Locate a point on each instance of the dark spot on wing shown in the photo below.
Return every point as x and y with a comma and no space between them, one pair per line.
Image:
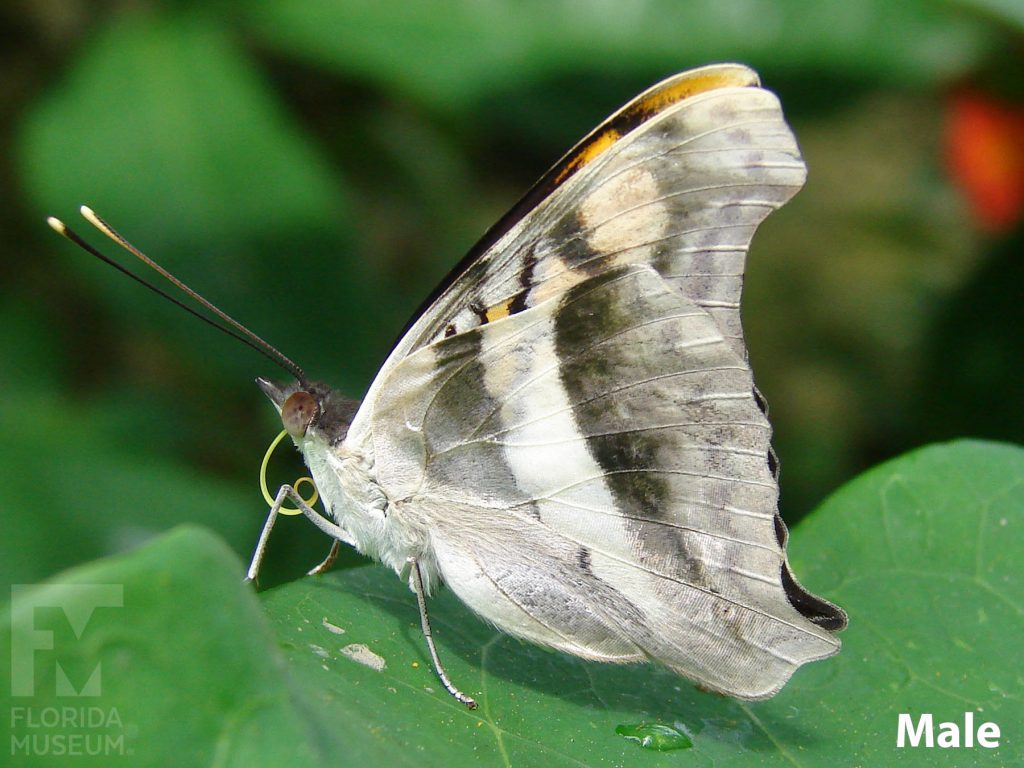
518,303
479,310
762,404
817,610
773,459
583,559
781,534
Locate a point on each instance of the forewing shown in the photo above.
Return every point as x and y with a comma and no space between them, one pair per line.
594,475
677,179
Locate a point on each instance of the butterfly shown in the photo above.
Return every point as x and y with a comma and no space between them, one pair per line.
568,434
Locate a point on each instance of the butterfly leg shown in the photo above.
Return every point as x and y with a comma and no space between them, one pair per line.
325,525
261,545
421,599
327,562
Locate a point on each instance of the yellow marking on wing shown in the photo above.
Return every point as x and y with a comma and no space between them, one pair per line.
498,311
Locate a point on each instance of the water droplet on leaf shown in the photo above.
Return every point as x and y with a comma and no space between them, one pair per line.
656,736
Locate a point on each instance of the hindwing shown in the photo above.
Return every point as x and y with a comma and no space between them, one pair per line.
593,473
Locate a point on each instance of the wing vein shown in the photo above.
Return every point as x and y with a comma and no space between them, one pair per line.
631,385
662,471
668,524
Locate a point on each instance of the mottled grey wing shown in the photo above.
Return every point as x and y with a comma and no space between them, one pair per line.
593,472
678,179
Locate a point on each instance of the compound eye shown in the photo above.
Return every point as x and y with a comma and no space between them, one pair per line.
298,412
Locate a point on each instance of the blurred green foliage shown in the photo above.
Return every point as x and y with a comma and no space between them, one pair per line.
315,167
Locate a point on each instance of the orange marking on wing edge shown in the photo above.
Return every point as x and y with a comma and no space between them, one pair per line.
647,105
593,148
655,102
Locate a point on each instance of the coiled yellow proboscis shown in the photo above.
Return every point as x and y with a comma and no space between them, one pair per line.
296,485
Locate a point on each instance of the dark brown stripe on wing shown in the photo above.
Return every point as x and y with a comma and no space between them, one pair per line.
589,312
518,303
479,468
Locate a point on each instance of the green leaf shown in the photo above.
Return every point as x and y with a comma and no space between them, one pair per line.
928,566
923,552
483,47
181,656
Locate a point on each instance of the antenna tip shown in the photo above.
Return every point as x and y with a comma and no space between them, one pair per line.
88,213
57,225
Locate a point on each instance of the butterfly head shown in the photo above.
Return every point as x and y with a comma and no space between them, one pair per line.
311,410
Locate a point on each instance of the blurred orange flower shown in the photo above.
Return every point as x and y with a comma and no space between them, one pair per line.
985,156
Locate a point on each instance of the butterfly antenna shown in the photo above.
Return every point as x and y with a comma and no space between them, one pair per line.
233,328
